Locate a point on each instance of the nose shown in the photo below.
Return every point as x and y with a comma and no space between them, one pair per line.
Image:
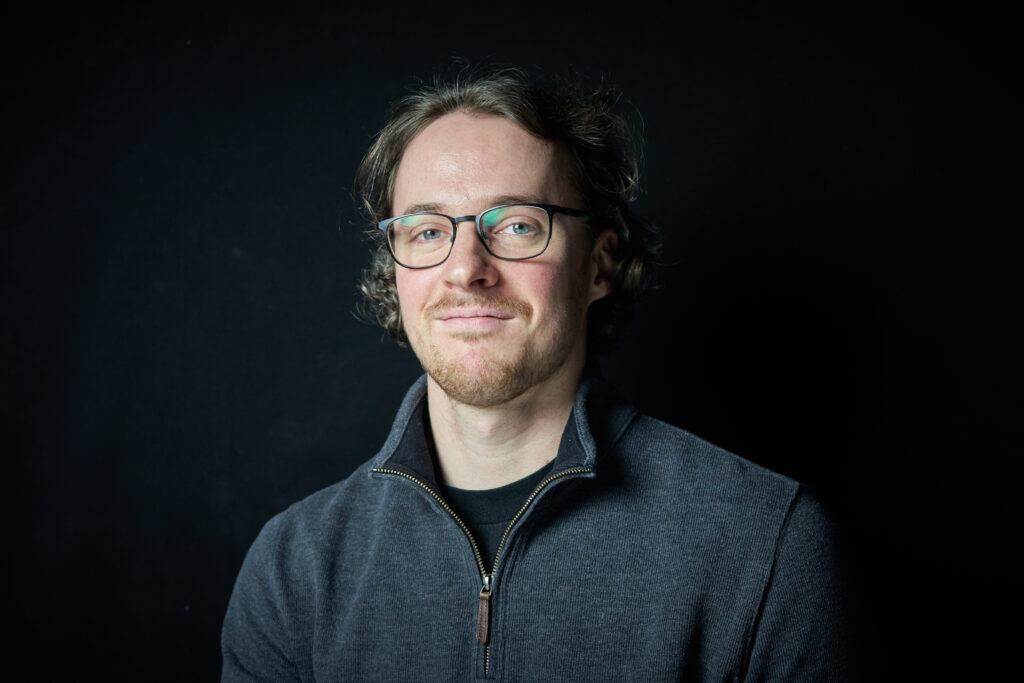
469,265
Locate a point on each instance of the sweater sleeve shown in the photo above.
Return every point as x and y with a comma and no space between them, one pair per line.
268,613
801,631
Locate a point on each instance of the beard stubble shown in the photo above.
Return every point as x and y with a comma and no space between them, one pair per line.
496,378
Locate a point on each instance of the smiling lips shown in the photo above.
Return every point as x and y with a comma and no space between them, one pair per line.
473,319
458,314
454,313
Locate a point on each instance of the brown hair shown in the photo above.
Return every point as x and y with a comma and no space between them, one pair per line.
603,150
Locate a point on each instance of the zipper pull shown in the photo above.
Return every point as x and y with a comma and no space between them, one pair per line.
483,614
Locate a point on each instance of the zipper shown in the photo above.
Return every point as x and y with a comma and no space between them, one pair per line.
533,496
484,574
483,617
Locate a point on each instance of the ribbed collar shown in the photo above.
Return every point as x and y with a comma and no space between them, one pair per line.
598,418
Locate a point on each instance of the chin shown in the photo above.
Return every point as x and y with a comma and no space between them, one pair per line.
482,379
483,382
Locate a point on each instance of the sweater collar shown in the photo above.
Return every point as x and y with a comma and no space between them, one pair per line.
598,418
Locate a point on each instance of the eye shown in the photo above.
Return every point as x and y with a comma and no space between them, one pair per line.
514,229
428,234
517,226
420,231
518,229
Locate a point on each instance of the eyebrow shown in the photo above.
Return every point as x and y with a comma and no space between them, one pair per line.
494,201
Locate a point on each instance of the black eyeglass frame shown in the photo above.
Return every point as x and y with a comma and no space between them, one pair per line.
550,209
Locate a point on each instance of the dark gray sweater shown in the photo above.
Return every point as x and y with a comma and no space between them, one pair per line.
647,554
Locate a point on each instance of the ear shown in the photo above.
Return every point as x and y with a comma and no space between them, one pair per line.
602,264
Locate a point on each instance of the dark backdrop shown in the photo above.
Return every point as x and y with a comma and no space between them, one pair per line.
839,298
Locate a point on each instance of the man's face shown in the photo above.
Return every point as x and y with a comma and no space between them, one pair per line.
487,330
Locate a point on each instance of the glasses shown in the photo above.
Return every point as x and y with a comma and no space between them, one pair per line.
512,232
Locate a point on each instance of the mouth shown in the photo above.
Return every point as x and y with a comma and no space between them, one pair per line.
474,320
476,315
472,313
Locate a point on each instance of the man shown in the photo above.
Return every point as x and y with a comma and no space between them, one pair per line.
521,522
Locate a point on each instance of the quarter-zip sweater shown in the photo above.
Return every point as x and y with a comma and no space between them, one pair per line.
646,554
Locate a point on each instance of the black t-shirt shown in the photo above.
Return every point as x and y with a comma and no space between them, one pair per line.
487,512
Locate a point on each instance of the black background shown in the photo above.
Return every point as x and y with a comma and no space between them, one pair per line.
839,297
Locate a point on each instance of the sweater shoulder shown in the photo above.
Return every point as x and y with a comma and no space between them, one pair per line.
326,511
673,460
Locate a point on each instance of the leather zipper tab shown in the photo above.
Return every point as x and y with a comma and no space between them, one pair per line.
483,614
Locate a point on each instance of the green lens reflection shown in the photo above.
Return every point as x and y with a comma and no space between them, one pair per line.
493,217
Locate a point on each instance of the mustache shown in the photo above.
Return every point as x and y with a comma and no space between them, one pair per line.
505,304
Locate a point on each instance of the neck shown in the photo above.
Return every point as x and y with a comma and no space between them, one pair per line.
483,448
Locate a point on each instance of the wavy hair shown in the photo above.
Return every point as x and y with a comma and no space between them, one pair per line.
604,151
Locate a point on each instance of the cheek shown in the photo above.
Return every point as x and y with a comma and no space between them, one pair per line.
409,295
550,290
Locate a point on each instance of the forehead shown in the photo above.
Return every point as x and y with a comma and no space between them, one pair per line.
464,162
